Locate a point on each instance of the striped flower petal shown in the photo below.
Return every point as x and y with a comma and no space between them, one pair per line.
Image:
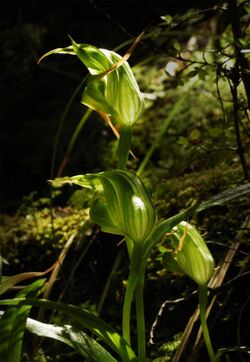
116,93
122,205
191,255
128,204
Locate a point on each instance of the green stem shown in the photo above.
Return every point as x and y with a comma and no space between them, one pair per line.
140,318
124,146
202,292
135,266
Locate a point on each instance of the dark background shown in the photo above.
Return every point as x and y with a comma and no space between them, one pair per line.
33,97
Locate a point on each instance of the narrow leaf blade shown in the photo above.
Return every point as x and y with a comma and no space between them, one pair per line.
67,50
7,282
12,326
224,197
218,200
73,337
90,321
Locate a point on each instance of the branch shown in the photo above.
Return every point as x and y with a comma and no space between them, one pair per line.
234,14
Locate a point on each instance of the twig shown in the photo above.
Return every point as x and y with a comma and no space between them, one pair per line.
229,246
53,277
216,290
229,283
219,95
233,10
161,310
48,288
233,87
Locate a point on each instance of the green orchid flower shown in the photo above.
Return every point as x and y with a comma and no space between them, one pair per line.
110,90
191,255
122,205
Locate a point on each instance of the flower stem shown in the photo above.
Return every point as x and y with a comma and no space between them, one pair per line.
124,146
202,293
140,318
135,266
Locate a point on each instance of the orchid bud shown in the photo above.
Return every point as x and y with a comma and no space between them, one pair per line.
191,255
115,93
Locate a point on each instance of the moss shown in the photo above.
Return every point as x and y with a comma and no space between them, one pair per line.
167,349
173,195
34,237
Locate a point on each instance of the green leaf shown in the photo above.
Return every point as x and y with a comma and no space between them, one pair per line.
12,326
224,197
230,133
177,46
162,249
195,134
202,74
166,226
241,43
180,81
192,73
88,320
218,200
215,131
87,346
182,140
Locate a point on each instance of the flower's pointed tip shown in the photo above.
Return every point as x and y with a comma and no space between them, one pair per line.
72,40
